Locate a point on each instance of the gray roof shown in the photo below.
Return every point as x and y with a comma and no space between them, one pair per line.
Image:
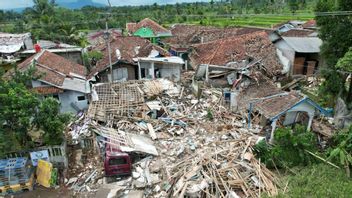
304,44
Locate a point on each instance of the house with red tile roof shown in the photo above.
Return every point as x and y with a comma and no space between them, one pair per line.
125,52
59,78
148,29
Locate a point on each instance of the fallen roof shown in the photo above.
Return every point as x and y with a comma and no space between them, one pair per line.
273,107
304,44
154,26
220,52
55,70
10,43
186,35
13,39
130,48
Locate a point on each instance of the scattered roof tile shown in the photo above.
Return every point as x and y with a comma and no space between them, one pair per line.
186,35
220,52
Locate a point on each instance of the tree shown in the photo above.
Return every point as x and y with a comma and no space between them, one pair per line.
335,31
51,121
17,105
345,64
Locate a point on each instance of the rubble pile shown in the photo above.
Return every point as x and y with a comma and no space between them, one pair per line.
203,149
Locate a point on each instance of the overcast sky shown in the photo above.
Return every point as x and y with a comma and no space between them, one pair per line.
9,4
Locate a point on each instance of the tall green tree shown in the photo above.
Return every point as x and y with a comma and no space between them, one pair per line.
335,31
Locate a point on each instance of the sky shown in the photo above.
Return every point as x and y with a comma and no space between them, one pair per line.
10,4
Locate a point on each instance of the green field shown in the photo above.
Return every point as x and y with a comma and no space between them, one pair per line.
266,21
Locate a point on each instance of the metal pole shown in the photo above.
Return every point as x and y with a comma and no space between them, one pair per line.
109,50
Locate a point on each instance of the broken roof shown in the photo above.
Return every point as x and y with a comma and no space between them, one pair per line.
154,26
275,106
55,70
186,35
304,44
129,47
96,37
10,43
220,52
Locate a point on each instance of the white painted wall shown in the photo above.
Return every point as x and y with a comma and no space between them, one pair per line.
69,98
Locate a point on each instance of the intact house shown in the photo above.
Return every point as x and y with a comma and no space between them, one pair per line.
69,52
303,54
184,36
160,67
58,78
125,52
10,46
148,29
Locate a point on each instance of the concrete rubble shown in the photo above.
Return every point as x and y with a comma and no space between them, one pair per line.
203,149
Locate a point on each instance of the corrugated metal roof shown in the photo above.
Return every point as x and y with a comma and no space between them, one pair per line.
304,44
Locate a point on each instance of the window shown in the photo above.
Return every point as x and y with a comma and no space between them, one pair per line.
80,98
117,161
56,96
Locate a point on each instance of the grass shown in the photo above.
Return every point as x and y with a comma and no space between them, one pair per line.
319,180
266,21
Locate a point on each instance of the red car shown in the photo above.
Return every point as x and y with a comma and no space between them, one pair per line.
116,163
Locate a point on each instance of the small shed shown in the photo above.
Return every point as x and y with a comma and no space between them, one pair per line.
161,67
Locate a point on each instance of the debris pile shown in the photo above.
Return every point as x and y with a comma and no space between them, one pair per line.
201,148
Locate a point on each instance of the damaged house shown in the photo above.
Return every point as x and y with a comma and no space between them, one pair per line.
125,52
184,36
10,46
148,29
246,65
234,51
303,54
162,67
58,78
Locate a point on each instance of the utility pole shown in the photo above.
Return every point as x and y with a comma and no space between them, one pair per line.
107,40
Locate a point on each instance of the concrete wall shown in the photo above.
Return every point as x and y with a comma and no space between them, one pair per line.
104,76
72,56
166,70
302,107
69,101
170,71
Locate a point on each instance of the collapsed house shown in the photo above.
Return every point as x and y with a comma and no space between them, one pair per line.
184,36
10,46
148,29
59,78
125,52
233,50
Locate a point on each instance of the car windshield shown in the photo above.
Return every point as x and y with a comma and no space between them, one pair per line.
117,161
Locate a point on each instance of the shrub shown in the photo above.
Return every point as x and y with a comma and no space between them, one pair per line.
289,148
